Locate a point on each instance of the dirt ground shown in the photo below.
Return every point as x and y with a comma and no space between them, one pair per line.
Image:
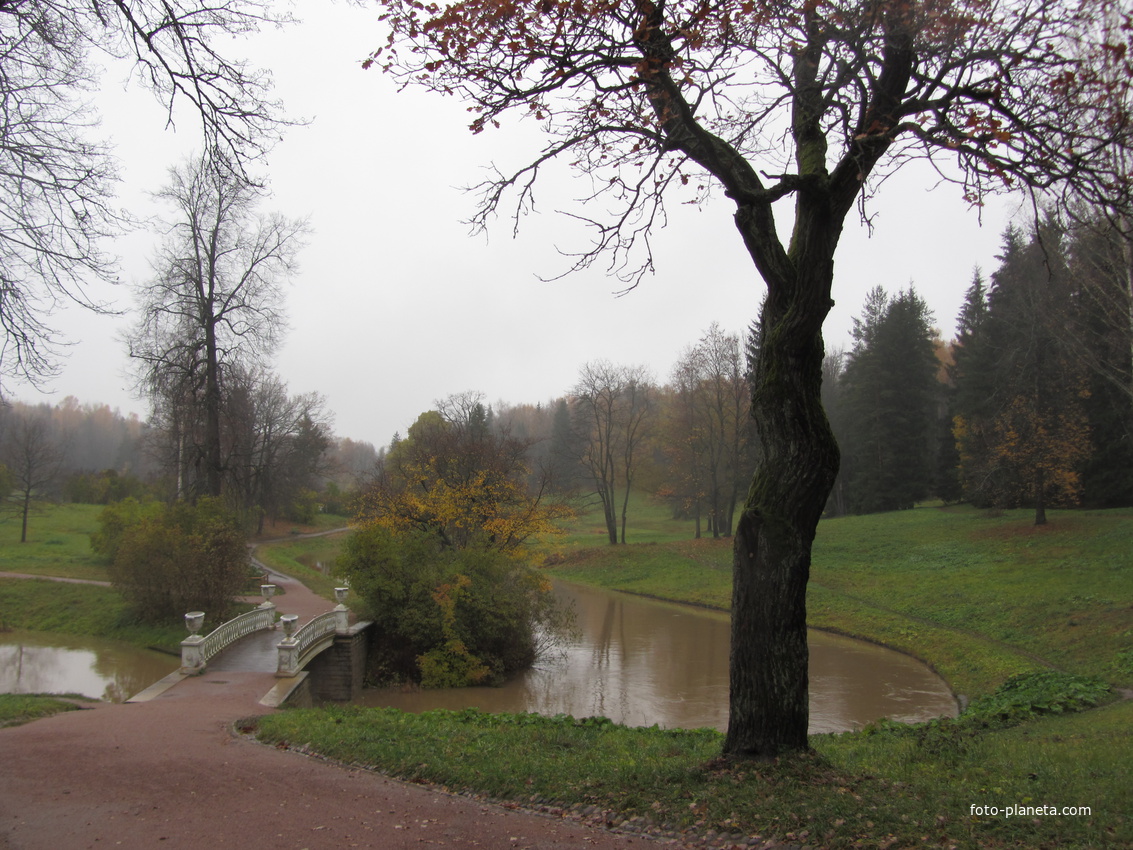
170,773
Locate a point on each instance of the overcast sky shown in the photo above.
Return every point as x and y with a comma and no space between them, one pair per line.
396,305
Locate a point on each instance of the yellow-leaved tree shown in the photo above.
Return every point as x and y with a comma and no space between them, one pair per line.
442,558
464,479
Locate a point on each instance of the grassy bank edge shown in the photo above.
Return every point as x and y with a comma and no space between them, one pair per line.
42,605
16,709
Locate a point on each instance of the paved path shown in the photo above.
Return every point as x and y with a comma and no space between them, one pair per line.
170,773
56,578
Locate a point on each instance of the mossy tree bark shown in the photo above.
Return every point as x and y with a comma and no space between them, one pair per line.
799,461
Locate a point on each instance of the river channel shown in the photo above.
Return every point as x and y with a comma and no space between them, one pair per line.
46,663
641,662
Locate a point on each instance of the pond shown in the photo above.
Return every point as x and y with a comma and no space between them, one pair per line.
641,662
43,662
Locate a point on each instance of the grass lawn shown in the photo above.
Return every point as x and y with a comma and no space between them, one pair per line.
648,521
885,789
300,556
58,543
983,598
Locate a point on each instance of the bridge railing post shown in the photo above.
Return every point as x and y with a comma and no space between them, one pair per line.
268,591
192,657
288,647
341,612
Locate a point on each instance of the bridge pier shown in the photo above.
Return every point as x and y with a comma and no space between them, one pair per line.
334,675
337,672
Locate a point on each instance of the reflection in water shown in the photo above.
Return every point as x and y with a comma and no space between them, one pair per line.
41,662
642,663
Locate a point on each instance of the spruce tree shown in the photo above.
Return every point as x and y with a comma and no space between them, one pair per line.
892,398
1023,432
1099,274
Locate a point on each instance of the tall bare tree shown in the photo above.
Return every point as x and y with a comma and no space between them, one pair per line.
33,453
57,178
613,412
215,301
714,391
770,101
277,444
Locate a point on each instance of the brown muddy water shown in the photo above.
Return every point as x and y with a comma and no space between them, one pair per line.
46,663
644,663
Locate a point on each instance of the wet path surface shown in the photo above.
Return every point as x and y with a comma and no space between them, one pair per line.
255,653
170,773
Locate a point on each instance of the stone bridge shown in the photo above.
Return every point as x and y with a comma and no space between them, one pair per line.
323,659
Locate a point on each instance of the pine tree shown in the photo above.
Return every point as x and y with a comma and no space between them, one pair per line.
892,398
1022,430
1099,274
972,375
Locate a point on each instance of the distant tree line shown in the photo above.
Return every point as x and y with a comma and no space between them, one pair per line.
93,454
1030,406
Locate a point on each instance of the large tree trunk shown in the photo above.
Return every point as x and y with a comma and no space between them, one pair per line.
769,709
772,550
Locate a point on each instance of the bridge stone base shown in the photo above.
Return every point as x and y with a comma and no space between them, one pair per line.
336,673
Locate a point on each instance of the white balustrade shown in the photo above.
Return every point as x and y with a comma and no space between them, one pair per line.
293,647
197,650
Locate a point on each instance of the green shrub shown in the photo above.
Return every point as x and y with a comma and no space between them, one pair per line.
104,488
1030,695
178,558
447,617
113,521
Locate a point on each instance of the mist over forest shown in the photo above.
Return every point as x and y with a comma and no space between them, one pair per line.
1029,406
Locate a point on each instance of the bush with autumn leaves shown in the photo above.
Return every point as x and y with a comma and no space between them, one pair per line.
442,556
448,617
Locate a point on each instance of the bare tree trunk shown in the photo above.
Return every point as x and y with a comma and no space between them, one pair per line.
772,549
609,511
213,400
1040,497
24,517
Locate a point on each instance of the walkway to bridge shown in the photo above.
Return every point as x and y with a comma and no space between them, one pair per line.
257,652
168,771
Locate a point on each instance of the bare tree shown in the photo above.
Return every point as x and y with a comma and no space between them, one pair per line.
214,303
277,443
715,396
33,453
768,102
57,179
613,409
